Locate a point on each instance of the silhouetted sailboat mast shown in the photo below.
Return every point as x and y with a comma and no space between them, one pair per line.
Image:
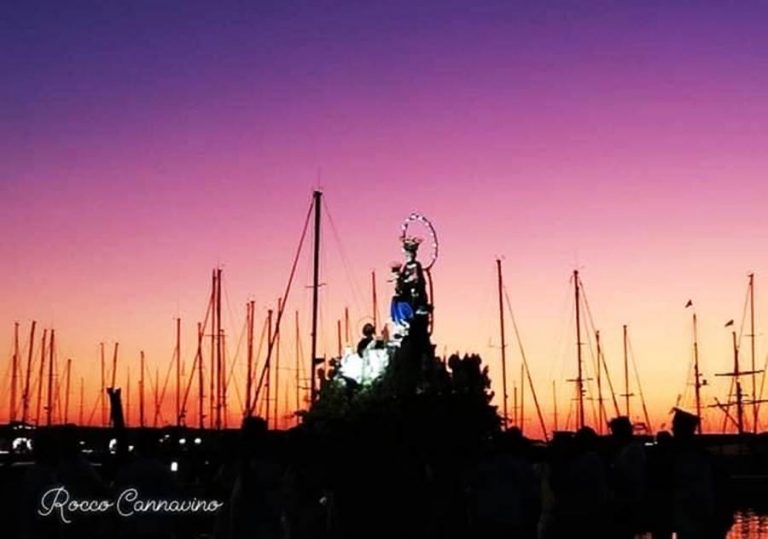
14,373
503,343
580,374
317,198
27,379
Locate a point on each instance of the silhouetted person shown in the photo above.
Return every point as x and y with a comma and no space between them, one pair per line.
255,504
40,477
661,465
79,476
581,490
506,491
628,479
151,476
369,338
700,507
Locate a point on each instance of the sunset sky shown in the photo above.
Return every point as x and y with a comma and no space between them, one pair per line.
144,143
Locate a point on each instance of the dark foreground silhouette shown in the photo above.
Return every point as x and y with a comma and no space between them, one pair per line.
420,453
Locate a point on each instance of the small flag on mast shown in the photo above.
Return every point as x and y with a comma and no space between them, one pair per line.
729,323
689,304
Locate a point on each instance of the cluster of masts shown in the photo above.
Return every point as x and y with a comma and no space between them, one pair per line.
262,389
580,381
211,377
736,394
740,411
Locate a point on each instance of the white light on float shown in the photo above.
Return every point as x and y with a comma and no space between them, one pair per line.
367,368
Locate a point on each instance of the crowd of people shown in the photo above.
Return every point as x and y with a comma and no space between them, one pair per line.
400,479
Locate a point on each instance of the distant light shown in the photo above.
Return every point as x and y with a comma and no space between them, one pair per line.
174,466
182,441
198,441
113,445
130,448
21,444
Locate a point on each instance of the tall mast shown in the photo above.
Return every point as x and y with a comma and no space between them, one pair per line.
277,362
66,391
627,394
249,366
736,374
219,365
514,405
28,376
268,367
580,377
338,338
224,384
178,372
82,398
127,395
41,373
522,396
505,396
14,374
375,305
200,382
298,370
696,371
49,408
156,396
141,390
752,349
347,336
317,197
114,366
554,401
103,390
212,375
600,409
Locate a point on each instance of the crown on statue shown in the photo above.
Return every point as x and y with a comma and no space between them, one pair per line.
411,243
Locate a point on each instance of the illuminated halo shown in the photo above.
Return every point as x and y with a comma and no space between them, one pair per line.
417,217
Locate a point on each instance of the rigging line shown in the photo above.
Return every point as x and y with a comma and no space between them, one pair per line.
743,319
167,377
356,293
257,355
525,365
236,386
605,365
563,347
192,373
97,403
587,382
229,377
639,385
688,376
282,306
762,384
610,386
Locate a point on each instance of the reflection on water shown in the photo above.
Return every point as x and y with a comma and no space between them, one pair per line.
749,525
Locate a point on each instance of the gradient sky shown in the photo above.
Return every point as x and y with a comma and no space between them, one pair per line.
143,143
